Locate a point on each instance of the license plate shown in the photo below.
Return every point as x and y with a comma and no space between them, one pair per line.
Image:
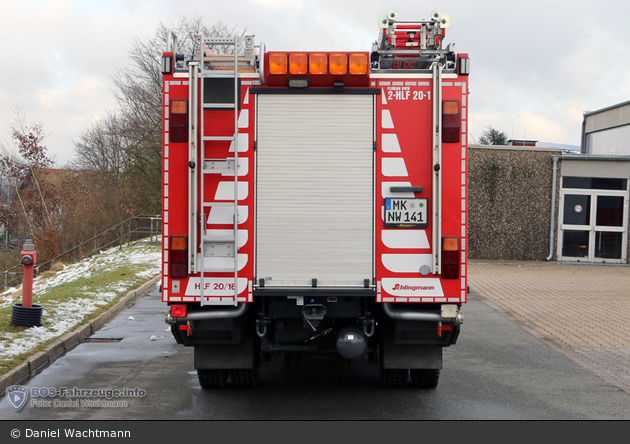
406,213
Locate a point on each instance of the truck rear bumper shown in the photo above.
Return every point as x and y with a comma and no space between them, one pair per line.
212,313
449,313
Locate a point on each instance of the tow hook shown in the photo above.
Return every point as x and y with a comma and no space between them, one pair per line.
368,327
261,326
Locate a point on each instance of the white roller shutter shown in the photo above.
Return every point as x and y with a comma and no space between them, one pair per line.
314,215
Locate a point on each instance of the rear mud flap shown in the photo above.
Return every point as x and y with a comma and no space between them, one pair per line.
411,356
225,356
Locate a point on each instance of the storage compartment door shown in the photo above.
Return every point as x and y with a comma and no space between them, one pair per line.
314,190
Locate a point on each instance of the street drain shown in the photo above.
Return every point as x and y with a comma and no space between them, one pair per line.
103,339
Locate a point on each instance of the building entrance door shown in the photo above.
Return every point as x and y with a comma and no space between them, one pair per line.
593,224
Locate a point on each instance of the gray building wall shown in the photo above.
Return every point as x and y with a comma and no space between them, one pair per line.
510,195
607,131
509,202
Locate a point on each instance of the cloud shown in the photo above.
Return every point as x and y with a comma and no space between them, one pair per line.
280,4
63,55
47,96
538,62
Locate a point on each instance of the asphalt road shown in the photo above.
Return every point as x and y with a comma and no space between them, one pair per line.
496,371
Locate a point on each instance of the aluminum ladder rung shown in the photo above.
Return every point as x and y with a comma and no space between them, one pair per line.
224,65
220,41
218,204
218,138
218,238
218,105
228,58
217,270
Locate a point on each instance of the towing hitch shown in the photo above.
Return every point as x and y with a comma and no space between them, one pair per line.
313,314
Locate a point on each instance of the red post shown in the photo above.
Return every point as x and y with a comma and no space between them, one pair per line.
29,256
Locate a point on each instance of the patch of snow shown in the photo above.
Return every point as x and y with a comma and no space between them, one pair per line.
62,317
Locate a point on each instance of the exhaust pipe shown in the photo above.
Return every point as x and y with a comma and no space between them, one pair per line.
449,314
224,313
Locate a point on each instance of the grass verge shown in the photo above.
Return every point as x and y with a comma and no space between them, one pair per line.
73,296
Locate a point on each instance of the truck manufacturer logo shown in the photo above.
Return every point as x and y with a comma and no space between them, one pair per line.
413,287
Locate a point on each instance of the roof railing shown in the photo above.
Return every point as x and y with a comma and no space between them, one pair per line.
125,233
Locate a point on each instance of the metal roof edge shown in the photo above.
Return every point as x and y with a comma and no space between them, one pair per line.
608,108
600,157
514,148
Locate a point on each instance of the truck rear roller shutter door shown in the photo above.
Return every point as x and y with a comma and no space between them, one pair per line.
314,190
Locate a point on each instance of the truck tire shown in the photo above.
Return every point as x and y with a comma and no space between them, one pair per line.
425,378
243,377
394,377
212,378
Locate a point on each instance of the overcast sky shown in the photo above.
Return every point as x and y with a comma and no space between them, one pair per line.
536,66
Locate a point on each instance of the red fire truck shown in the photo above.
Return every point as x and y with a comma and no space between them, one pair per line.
316,202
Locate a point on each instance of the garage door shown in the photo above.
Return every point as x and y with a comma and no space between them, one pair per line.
314,202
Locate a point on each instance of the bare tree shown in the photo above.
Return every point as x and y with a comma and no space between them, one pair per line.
33,205
128,142
103,147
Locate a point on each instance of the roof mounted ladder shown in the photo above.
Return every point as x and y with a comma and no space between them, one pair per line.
412,44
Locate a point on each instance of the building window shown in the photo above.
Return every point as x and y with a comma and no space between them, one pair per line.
594,183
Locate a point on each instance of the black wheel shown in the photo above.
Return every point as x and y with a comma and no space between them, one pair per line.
425,378
212,378
394,377
243,377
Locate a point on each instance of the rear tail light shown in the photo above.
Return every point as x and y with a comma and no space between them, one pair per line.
450,257
179,310
451,121
179,257
179,120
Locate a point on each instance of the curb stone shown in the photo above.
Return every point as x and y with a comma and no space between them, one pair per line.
37,362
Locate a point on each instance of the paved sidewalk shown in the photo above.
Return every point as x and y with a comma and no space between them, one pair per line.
42,359
583,311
